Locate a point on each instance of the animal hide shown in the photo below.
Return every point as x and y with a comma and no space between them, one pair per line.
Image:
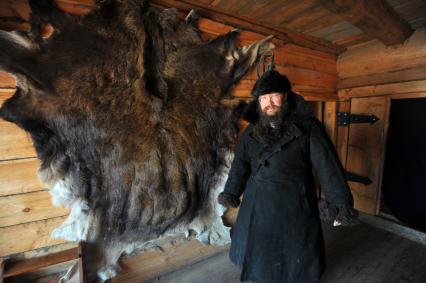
125,109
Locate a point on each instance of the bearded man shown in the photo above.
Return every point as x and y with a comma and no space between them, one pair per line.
277,236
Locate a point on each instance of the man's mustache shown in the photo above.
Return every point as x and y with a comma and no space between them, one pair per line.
270,107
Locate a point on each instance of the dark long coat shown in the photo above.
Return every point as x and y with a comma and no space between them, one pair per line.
277,236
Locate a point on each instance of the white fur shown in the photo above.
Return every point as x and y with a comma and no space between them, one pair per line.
76,226
108,272
62,195
20,41
209,225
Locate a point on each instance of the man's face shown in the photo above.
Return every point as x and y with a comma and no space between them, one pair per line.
270,103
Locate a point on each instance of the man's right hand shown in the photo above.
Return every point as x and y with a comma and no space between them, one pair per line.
228,200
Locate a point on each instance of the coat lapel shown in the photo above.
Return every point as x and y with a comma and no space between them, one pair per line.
292,132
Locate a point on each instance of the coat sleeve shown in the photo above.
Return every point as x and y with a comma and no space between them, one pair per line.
240,169
339,201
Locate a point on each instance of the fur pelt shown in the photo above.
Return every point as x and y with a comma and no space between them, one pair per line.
124,107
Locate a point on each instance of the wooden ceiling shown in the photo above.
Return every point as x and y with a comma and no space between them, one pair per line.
335,24
329,26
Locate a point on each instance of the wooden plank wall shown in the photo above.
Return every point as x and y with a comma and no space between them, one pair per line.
375,70
26,215
370,76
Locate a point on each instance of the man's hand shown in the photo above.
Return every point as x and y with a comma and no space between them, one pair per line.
347,216
340,215
228,200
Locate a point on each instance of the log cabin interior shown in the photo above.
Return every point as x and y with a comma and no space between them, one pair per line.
362,67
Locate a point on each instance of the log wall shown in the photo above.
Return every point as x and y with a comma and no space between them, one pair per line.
375,70
26,214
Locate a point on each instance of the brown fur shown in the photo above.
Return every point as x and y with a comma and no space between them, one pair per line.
124,108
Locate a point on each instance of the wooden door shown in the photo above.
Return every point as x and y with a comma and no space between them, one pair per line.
366,151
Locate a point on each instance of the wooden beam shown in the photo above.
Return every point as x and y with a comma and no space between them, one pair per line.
81,266
246,23
383,89
2,262
376,18
35,264
400,76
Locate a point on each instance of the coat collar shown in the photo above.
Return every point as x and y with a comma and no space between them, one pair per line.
292,133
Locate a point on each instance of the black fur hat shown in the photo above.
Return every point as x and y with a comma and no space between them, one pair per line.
271,81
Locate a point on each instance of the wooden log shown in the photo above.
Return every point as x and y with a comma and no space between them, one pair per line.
11,24
5,93
76,7
29,236
24,208
374,58
14,142
19,176
408,95
406,75
300,76
7,81
285,56
385,89
351,40
15,8
43,251
2,263
35,264
376,18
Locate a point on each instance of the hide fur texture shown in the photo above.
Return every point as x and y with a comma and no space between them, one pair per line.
125,109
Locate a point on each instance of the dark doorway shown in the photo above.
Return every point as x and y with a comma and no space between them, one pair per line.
404,176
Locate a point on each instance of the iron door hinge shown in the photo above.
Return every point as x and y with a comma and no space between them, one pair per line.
346,118
358,178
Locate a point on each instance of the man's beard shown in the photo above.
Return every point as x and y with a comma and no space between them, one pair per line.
270,128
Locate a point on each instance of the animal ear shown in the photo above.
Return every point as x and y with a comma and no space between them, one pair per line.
243,58
192,19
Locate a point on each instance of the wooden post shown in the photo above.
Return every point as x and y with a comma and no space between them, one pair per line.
81,270
2,262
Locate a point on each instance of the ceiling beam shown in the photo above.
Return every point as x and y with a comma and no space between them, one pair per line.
376,18
244,22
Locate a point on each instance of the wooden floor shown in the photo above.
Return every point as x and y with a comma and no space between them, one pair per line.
360,254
